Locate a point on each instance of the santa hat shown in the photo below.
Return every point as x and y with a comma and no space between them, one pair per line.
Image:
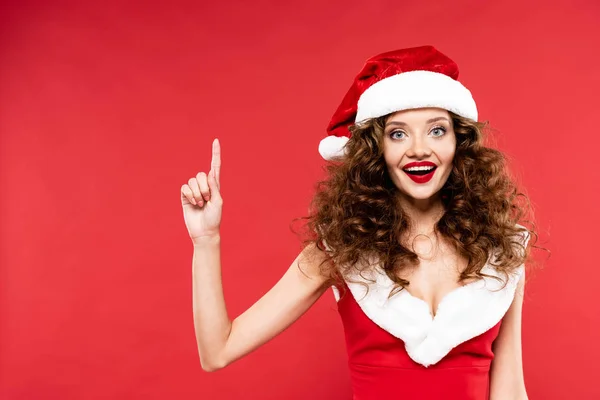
398,80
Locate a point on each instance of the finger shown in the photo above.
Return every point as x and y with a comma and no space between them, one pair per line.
215,163
204,190
215,194
186,193
193,183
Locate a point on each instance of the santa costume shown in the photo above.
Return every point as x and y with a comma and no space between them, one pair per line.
396,348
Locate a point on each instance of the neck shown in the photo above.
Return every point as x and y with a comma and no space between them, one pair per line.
423,214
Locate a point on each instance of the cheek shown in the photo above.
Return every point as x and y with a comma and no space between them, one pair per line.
447,157
447,151
393,156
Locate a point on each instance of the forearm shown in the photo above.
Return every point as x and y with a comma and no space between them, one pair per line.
211,321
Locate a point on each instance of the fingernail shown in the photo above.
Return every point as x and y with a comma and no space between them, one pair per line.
194,201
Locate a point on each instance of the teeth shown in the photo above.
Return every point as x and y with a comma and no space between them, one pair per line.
418,168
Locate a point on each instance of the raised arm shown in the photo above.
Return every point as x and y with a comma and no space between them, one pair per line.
220,340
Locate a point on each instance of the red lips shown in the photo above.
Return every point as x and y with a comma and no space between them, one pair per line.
420,178
419,164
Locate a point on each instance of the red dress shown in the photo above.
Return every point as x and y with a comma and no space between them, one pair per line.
396,350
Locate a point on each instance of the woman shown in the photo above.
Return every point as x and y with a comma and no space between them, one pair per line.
416,230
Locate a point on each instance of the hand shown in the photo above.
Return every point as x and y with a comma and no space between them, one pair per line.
201,200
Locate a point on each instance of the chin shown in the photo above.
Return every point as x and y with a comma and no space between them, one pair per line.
418,195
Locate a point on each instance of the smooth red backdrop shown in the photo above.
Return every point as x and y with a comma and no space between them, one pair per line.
106,109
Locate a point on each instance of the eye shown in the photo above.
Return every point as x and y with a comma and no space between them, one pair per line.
391,134
440,129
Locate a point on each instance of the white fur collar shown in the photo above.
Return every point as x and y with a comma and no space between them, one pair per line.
464,313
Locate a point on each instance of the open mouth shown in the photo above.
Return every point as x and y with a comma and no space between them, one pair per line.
419,171
420,174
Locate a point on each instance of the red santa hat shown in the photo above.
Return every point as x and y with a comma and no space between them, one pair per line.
398,80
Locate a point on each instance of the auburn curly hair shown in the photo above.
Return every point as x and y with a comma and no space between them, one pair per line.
355,217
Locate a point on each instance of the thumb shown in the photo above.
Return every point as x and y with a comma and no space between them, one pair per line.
213,185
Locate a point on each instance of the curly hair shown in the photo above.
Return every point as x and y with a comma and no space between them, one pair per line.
355,216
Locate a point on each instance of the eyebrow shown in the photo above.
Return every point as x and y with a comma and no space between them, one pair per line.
400,123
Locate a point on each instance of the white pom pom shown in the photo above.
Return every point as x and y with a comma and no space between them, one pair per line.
333,147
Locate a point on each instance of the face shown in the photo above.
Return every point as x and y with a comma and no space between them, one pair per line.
421,136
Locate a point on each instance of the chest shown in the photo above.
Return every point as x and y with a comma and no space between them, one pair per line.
436,276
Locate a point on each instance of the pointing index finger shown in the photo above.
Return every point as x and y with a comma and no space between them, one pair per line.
215,163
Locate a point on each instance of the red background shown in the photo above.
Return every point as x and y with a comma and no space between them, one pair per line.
107,109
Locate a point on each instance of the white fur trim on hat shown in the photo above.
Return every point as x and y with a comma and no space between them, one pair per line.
415,89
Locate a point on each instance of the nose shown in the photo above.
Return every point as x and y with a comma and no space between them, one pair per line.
419,147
